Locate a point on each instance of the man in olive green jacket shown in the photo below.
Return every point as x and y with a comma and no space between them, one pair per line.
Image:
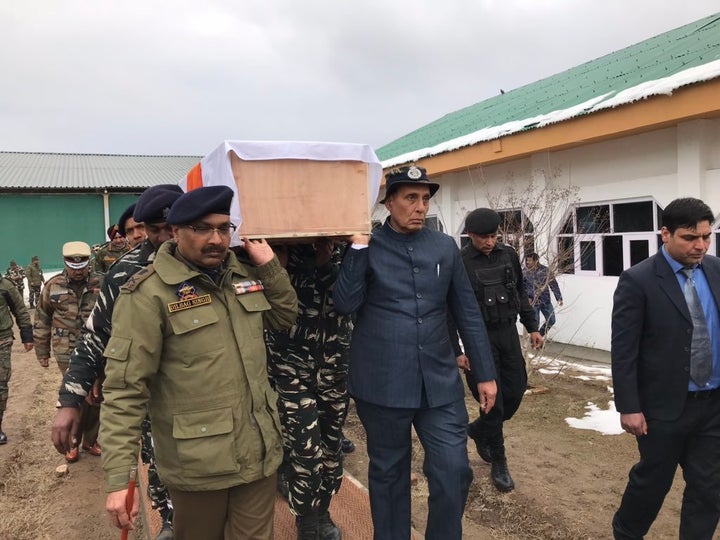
11,305
35,279
187,345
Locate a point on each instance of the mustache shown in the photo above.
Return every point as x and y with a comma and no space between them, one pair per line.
213,251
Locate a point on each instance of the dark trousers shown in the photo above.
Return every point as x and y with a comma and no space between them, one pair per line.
242,512
511,382
547,310
442,432
693,442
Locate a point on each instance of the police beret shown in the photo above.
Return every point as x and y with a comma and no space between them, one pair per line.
200,202
128,213
153,206
406,176
482,221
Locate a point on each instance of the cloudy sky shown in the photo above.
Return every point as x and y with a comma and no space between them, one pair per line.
179,76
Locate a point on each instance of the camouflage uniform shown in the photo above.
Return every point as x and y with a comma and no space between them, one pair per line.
11,305
308,366
63,308
35,279
16,274
107,255
87,362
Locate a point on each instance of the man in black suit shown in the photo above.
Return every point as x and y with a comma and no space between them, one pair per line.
666,374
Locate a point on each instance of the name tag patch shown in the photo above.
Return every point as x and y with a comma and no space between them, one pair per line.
190,303
188,298
245,287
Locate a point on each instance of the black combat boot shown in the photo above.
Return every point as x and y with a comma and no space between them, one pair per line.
481,443
307,527
500,476
499,473
327,530
166,532
3,437
283,482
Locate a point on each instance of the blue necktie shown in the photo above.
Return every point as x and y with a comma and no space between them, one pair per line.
700,353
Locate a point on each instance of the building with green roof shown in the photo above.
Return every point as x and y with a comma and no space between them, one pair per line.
581,164
47,199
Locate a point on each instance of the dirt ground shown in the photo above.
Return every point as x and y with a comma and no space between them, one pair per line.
569,481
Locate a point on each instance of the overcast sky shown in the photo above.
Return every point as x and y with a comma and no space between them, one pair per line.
179,77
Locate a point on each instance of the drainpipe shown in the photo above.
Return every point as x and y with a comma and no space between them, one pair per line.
106,210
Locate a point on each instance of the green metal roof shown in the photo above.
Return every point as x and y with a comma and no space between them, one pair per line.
580,90
30,171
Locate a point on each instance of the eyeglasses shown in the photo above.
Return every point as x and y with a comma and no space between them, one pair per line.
205,231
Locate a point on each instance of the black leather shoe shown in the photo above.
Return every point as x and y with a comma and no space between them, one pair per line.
481,444
327,530
3,438
348,447
500,476
307,527
166,533
283,483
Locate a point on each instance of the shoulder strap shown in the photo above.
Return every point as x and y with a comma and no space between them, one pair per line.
137,278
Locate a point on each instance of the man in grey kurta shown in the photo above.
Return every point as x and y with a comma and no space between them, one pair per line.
403,371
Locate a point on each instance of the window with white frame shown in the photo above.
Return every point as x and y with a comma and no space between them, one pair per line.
515,230
603,239
433,223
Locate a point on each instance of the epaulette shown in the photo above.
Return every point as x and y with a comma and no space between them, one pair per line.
137,278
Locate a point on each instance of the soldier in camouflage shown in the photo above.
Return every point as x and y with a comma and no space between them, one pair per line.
87,362
110,252
308,366
11,305
16,274
64,306
35,279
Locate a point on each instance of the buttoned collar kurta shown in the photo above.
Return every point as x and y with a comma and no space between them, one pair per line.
402,287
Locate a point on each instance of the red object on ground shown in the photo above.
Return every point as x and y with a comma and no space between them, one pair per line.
129,499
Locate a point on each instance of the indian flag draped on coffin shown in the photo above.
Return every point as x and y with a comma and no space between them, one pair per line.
293,190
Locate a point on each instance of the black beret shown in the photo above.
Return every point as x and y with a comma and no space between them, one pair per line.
482,221
154,204
128,213
405,176
200,202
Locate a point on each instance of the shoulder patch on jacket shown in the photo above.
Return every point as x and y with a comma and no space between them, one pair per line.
137,278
